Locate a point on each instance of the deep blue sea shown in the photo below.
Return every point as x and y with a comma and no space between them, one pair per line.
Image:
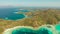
8,13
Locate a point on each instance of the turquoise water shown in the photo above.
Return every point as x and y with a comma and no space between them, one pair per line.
57,27
31,31
8,14
41,30
23,31
44,31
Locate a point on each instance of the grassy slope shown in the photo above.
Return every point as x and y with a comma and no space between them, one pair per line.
35,19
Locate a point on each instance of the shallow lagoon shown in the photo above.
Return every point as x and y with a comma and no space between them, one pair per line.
10,15
30,30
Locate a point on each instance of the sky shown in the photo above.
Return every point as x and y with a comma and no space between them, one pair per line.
39,3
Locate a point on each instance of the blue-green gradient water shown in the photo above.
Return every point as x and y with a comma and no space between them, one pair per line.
30,31
41,30
8,13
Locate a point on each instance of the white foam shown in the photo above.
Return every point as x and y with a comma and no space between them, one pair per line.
16,12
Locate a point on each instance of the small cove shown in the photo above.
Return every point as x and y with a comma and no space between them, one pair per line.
8,14
28,30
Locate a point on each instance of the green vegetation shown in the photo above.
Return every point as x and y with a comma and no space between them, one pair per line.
35,18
